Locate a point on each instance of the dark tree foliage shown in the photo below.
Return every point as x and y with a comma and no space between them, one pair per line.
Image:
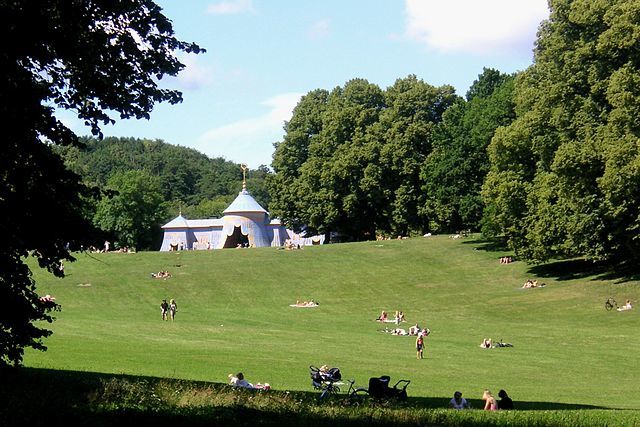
455,170
91,57
564,175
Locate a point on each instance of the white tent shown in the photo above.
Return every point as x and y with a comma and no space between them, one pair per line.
245,223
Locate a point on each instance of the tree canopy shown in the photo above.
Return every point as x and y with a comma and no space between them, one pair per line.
564,175
350,159
96,58
134,210
454,171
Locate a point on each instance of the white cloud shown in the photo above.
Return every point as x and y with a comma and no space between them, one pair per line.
472,26
251,140
231,7
319,30
194,75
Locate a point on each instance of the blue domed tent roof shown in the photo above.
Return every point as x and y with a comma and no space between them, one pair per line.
244,203
177,222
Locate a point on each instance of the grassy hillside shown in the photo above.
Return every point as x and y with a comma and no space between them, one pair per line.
234,315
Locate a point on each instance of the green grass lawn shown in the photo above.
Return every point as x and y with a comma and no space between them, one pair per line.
234,315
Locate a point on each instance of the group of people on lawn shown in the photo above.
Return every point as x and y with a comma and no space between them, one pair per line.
398,317
490,402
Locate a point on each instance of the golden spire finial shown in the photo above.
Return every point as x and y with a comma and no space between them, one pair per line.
244,176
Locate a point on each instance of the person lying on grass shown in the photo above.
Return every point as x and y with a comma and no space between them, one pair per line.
239,381
162,274
311,303
532,284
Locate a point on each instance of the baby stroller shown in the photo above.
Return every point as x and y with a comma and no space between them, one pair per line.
325,380
379,388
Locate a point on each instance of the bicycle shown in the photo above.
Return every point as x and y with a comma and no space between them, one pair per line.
610,304
355,395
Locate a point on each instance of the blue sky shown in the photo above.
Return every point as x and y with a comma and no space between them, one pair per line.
262,55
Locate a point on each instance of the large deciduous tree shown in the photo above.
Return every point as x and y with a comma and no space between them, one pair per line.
350,159
414,109
97,58
455,170
133,209
564,175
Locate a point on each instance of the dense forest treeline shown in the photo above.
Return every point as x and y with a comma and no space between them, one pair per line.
411,158
153,182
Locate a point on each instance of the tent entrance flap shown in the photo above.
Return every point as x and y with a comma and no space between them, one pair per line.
236,239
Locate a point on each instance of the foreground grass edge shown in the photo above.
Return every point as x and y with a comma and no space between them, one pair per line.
41,396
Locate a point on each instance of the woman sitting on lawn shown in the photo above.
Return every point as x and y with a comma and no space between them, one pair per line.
490,401
414,330
627,306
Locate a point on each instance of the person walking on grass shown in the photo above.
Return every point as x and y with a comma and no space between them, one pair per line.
419,347
164,309
173,307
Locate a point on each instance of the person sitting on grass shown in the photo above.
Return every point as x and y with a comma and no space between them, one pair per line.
505,401
490,401
239,381
486,343
382,317
627,306
414,330
459,402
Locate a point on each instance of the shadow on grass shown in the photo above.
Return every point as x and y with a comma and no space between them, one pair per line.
443,402
568,269
583,269
493,244
40,396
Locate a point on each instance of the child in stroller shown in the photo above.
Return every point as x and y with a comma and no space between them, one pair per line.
325,379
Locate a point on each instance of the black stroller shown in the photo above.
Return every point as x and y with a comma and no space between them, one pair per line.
325,380
379,388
